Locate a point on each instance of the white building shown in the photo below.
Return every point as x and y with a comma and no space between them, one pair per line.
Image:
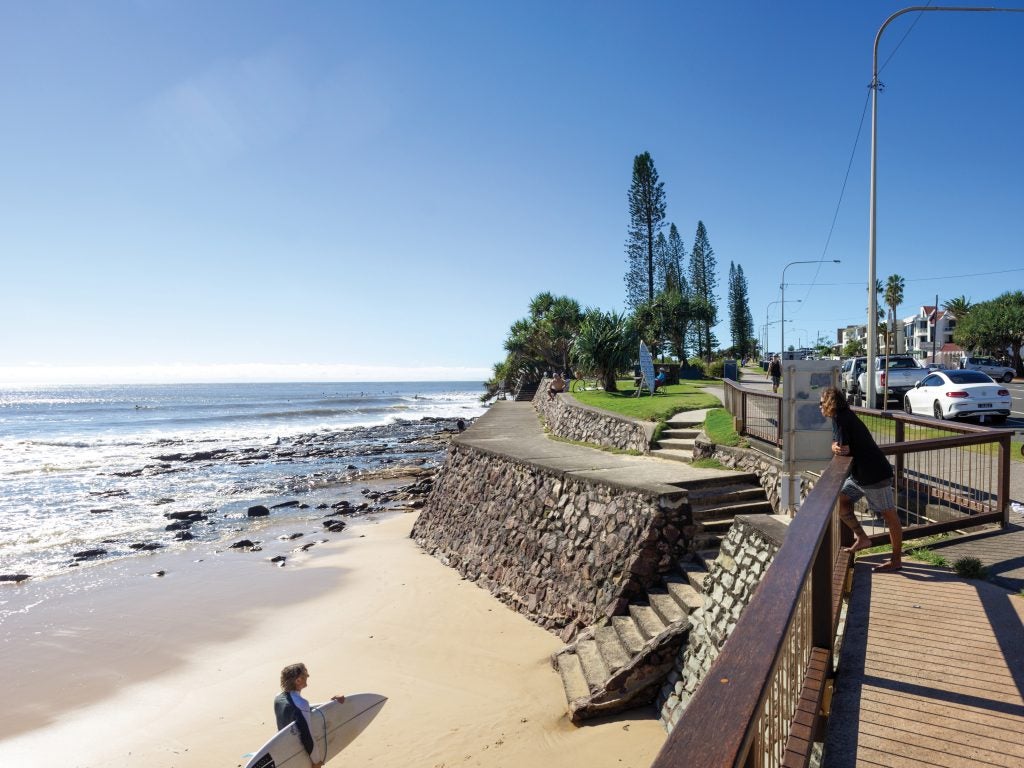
928,333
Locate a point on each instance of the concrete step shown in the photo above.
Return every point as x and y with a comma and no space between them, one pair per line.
679,434
707,556
611,648
629,633
672,455
684,593
754,506
677,443
594,669
729,491
710,540
694,573
571,672
647,621
688,419
665,605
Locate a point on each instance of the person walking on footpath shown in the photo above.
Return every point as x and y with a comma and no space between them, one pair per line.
870,476
775,372
290,707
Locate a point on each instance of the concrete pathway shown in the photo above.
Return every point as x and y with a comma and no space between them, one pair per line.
931,673
514,429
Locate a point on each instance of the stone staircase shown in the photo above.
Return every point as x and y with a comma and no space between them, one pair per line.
526,391
676,440
714,506
621,662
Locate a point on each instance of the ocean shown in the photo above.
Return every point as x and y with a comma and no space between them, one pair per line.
108,469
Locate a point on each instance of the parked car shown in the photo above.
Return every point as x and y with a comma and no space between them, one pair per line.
959,395
989,366
848,374
903,374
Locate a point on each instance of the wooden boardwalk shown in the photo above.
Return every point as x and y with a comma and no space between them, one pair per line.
931,673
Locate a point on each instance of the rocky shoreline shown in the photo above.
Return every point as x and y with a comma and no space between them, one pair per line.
398,461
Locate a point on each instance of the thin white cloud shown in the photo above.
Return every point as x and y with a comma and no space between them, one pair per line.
231,108
41,375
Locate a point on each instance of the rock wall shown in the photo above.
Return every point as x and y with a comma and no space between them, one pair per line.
567,417
560,550
744,558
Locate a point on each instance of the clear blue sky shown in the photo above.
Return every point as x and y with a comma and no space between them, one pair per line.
208,190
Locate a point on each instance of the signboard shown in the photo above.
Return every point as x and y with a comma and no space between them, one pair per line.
807,434
646,369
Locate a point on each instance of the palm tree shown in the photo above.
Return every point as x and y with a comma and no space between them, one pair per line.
894,297
958,307
606,343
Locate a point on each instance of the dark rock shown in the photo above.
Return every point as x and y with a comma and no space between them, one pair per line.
278,559
109,494
146,546
321,506
191,514
16,578
99,511
284,504
258,511
160,573
180,525
87,553
244,544
291,536
334,526
183,536
303,506
161,502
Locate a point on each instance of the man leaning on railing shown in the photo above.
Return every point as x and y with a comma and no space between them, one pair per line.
870,476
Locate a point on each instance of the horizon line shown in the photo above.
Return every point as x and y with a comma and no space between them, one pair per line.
230,373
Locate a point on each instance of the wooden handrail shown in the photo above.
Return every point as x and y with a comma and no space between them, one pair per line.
716,729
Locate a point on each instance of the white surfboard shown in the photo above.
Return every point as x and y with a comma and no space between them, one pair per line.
334,723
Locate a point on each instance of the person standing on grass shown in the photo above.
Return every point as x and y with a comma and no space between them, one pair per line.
870,476
775,372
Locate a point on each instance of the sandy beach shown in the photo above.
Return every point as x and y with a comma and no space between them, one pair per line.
180,670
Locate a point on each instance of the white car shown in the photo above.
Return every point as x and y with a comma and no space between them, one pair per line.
957,395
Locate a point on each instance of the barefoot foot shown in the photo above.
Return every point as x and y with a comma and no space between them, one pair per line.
888,566
858,545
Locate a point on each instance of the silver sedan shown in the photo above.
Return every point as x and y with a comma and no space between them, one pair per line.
959,395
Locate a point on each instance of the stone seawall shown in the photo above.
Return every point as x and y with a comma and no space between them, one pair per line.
560,549
568,418
746,553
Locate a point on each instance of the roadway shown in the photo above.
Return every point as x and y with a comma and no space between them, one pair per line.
1015,422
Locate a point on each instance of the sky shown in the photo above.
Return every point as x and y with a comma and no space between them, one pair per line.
374,190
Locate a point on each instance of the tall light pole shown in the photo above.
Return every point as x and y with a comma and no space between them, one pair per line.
766,323
782,288
876,86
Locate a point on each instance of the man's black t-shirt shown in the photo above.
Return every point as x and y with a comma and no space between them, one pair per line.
869,464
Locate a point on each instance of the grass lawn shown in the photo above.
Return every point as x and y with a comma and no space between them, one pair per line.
669,400
719,428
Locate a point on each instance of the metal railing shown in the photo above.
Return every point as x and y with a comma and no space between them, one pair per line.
759,704
947,475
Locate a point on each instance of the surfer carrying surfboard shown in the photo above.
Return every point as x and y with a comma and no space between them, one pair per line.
290,707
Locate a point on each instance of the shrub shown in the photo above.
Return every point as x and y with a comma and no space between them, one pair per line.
970,568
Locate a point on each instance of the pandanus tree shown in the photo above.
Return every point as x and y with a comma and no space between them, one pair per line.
606,344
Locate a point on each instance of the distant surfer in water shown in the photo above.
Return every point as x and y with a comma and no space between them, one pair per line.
290,707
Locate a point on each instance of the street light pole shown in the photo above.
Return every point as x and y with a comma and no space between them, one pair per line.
782,288
766,323
876,86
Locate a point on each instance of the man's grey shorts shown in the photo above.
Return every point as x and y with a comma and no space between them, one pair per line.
879,495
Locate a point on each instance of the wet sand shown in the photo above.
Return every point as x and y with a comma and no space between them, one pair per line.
181,670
